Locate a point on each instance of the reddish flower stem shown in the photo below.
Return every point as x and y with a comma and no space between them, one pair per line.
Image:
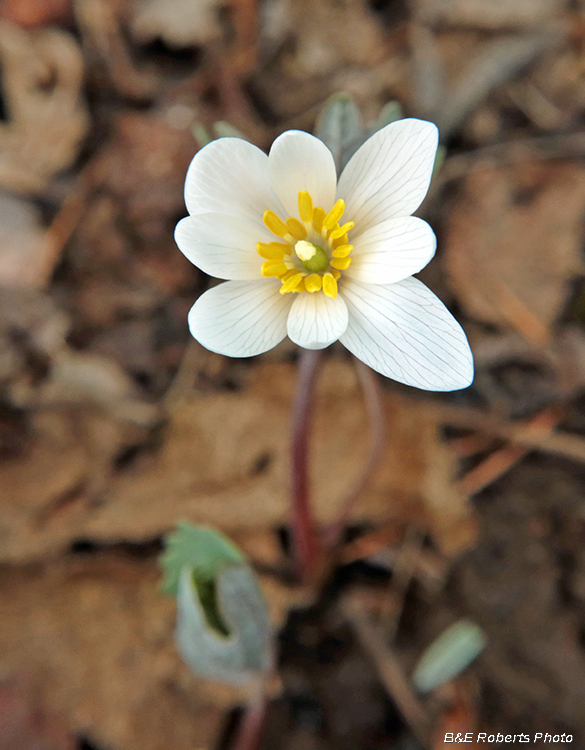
371,390
249,732
305,539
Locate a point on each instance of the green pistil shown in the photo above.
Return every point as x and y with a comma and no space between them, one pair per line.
313,257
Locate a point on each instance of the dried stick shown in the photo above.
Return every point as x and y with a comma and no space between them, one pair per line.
389,669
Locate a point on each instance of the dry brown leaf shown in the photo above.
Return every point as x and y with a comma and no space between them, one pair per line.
100,23
494,62
304,64
25,725
97,638
24,245
35,13
48,478
32,331
236,478
146,169
489,14
42,74
513,244
225,462
180,23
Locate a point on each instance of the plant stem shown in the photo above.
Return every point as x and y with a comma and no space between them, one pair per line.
371,390
306,543
249,732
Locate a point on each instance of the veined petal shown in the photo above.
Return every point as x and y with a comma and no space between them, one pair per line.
315,321
299,161
389,175
240,318
404,332
221,245
392,250
230,176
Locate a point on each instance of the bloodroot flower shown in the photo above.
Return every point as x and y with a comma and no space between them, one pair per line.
322,260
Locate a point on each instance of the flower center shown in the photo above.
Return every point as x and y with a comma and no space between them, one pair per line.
312,252
313,257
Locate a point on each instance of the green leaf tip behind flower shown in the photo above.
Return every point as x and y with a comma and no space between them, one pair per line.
340,127
448,655
390,112
221,129
223,627
225,129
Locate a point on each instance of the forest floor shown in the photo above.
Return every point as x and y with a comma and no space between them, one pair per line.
115,424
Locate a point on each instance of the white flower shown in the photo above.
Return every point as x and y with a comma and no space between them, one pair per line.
272,225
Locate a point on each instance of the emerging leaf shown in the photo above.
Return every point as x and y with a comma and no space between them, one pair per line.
239,649
339,126
448,655
223,627
203,550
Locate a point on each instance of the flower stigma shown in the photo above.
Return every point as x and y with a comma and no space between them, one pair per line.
312,252
313,257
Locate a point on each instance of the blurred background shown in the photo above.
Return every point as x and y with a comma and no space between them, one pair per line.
114,425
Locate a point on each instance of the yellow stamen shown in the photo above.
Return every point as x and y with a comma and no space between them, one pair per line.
305,206
273,268
275,224
318,216
313,283
297,229
340,231
329,286
272,250
339,241
289,274
341,263
290,284
334,215
342,251
300,287
336,274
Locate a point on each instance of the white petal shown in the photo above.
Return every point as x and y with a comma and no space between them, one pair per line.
390,174
230,176
392,250
315,321
299,161
404,332
222,246
240,318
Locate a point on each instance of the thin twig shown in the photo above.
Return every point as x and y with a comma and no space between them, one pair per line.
371,390
491,469
389,669
557,146
404,570
560,444
306,543
184,380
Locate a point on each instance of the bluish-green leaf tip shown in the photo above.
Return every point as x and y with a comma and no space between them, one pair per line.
448,655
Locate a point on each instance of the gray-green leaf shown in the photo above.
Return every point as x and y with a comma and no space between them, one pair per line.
389,113
246,651
339,126
448,655
225,129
